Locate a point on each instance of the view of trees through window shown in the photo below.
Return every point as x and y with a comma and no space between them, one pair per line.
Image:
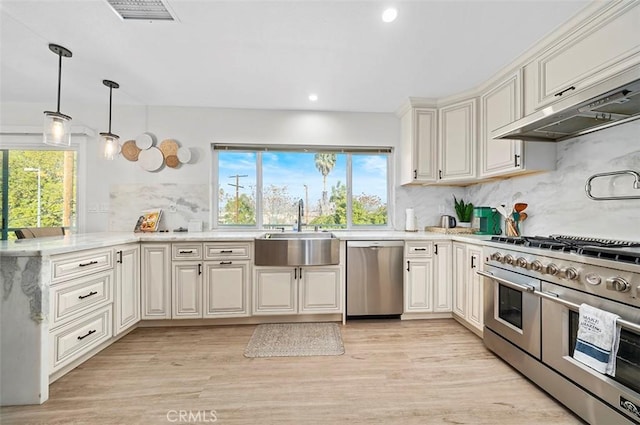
318,179
39,189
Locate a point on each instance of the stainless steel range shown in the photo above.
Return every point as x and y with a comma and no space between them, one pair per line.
533,289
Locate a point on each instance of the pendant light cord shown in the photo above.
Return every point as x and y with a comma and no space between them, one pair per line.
59,79
110,97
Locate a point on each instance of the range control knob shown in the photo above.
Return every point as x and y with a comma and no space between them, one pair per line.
522,262
618,284
496,256
570,273
509,259
536,266
552,269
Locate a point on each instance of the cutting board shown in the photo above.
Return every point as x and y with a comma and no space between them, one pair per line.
452,231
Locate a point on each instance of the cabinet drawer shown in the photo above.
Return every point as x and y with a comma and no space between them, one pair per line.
186,251
225,250
78,337
80,295
81,263
418,249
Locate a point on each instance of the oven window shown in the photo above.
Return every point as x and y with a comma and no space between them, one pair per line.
510,306
628,359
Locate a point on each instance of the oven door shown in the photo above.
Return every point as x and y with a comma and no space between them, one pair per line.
560,324
511,309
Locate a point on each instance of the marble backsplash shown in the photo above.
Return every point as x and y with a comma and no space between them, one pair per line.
557,199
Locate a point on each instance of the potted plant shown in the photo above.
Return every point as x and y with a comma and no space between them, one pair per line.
464,211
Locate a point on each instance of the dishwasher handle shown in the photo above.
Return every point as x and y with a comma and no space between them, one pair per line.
374,244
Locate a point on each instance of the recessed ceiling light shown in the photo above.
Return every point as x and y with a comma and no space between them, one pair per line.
313,97
390,14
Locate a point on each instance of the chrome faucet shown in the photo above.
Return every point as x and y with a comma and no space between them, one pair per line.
300,214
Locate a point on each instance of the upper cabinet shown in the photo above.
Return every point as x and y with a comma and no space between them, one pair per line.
418,145
457,139
438,145
501,104
597,49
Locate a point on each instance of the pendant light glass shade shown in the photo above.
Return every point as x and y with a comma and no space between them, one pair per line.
109,141
57,126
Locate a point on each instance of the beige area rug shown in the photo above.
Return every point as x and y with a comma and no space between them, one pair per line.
295,340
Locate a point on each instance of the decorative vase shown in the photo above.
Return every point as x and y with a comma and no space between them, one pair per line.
464,224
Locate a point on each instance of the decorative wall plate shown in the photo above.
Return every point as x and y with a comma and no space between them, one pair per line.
172,161
130,151
168,147
145,140
184,155
151,159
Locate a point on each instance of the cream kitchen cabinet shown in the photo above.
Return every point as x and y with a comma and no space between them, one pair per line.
457,142
226,289
467,286
126,309
186,290
156,280
418,149
297,290
427,277
595,50
501,104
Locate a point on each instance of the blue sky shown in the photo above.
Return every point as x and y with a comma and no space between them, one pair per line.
294,170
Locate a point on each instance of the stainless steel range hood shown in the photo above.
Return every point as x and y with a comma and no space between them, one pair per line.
612,102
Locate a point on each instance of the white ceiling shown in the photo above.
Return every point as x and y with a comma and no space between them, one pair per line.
267,54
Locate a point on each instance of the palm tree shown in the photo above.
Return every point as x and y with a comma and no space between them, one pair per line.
325,163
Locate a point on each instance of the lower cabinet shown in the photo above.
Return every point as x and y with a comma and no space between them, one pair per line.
156,280
296,290
186,290
126,308
226,288
427,277
467,284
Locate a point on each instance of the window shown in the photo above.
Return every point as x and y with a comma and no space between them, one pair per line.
38,189
262,188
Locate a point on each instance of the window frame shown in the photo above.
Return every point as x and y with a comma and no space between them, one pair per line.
259,149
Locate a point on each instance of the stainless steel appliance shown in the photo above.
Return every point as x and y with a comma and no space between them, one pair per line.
447,221
614,101
533,289
374,278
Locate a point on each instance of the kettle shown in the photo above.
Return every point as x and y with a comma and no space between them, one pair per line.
447,221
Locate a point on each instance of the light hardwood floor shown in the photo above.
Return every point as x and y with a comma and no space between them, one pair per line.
392,372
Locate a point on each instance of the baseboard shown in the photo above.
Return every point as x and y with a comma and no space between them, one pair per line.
252,320
468,325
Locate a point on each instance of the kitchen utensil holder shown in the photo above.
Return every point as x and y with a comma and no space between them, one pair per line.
636,185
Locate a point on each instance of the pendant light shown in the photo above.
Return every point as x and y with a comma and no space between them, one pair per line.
57,126
110,145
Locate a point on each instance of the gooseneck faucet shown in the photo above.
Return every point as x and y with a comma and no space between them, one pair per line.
300,214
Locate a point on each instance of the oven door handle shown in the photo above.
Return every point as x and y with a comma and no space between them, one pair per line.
517,286
576,307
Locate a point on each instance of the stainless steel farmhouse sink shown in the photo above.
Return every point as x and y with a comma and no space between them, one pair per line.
297,249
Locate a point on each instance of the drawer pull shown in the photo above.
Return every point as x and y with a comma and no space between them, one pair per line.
564,91
90,263
87,334
420,249
186,252
222,263
226,251
82,297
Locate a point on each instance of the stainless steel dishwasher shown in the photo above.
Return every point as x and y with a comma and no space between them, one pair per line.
374,278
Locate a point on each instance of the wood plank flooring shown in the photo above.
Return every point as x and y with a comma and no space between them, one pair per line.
392,372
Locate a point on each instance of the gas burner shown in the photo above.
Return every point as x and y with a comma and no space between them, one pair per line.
629,254
593,247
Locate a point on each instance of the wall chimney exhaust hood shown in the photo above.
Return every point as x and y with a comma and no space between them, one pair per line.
612,102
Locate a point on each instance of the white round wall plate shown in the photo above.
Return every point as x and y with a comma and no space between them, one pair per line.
151,159
145,141
184,155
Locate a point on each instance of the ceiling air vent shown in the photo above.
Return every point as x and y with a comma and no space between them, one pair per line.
142,10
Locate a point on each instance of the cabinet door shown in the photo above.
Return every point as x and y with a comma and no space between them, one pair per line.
460,274
598,50
418,153
458,141
127,292
419,285
474,288
225,289
275,290
442,290
319,290
156,281
187,290
499,106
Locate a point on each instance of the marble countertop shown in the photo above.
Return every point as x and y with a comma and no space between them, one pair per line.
75,242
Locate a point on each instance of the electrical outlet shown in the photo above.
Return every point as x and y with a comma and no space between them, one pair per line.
173,207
